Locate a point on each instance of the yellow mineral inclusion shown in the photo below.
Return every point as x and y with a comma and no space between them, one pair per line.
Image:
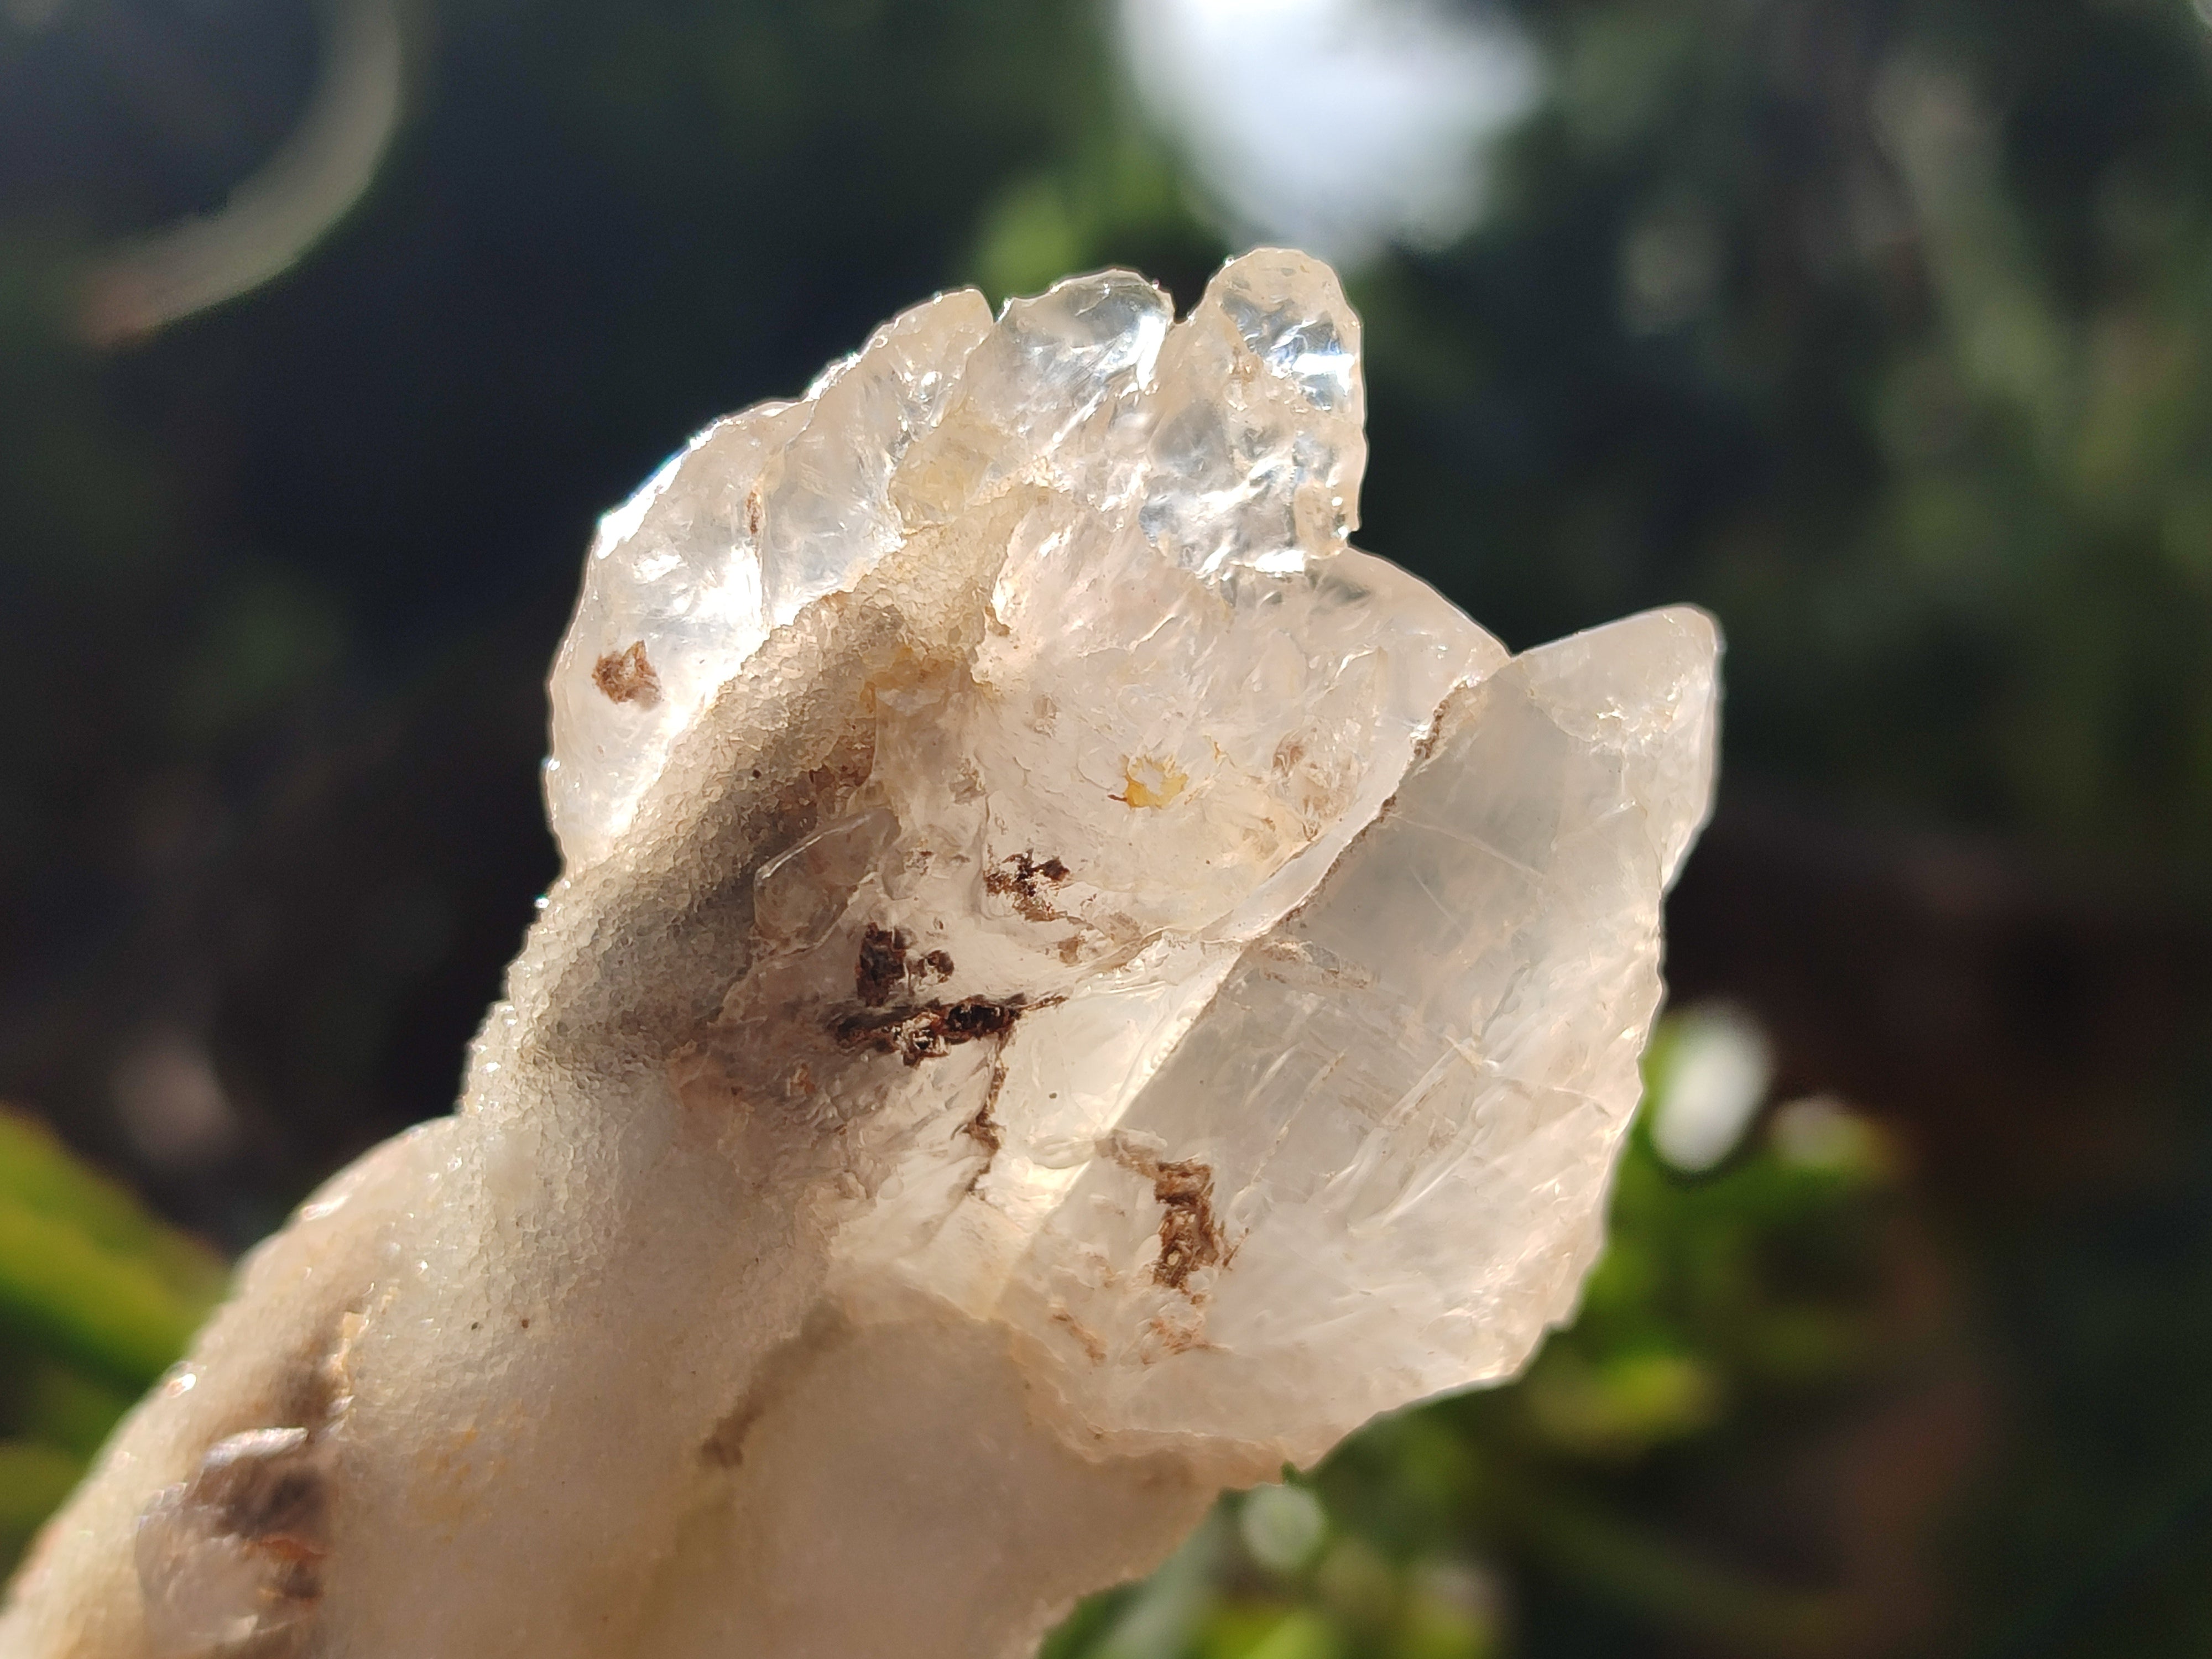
1149,783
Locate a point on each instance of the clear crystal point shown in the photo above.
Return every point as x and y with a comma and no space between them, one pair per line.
1070,986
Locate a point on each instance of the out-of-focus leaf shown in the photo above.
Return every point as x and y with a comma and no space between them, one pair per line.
61,1291
33,1480
1723,1608
1622,1405
40,1176
61,1405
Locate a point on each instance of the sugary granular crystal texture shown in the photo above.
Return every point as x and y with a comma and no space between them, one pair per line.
1070,987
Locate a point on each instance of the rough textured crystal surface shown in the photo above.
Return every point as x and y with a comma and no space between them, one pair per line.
1070,987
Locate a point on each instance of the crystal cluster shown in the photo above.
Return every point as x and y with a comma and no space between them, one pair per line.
1070,987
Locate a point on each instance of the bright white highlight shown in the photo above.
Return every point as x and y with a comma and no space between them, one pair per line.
1714,1079
1338,124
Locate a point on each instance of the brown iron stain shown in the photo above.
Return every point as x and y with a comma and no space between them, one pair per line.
273,1499
929,1029
1174,1338
725,1448
449,1486
1091,1345
313,1389
1190,1235
627,677
779,1370
985,1130
754,515
881,969
1016,878
277,1504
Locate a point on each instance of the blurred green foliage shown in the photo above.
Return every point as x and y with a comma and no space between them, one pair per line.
97,1299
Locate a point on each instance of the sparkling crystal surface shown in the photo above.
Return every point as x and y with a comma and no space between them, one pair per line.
1072,985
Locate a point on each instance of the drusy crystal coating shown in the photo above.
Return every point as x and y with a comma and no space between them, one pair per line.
1072,986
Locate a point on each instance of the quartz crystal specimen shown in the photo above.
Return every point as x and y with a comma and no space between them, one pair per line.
1070,987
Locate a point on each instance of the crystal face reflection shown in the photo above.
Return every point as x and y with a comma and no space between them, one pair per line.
1072,986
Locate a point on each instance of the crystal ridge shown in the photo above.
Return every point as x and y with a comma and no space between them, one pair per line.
1072,985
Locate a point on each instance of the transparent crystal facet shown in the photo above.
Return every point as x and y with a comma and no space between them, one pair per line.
1072,985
